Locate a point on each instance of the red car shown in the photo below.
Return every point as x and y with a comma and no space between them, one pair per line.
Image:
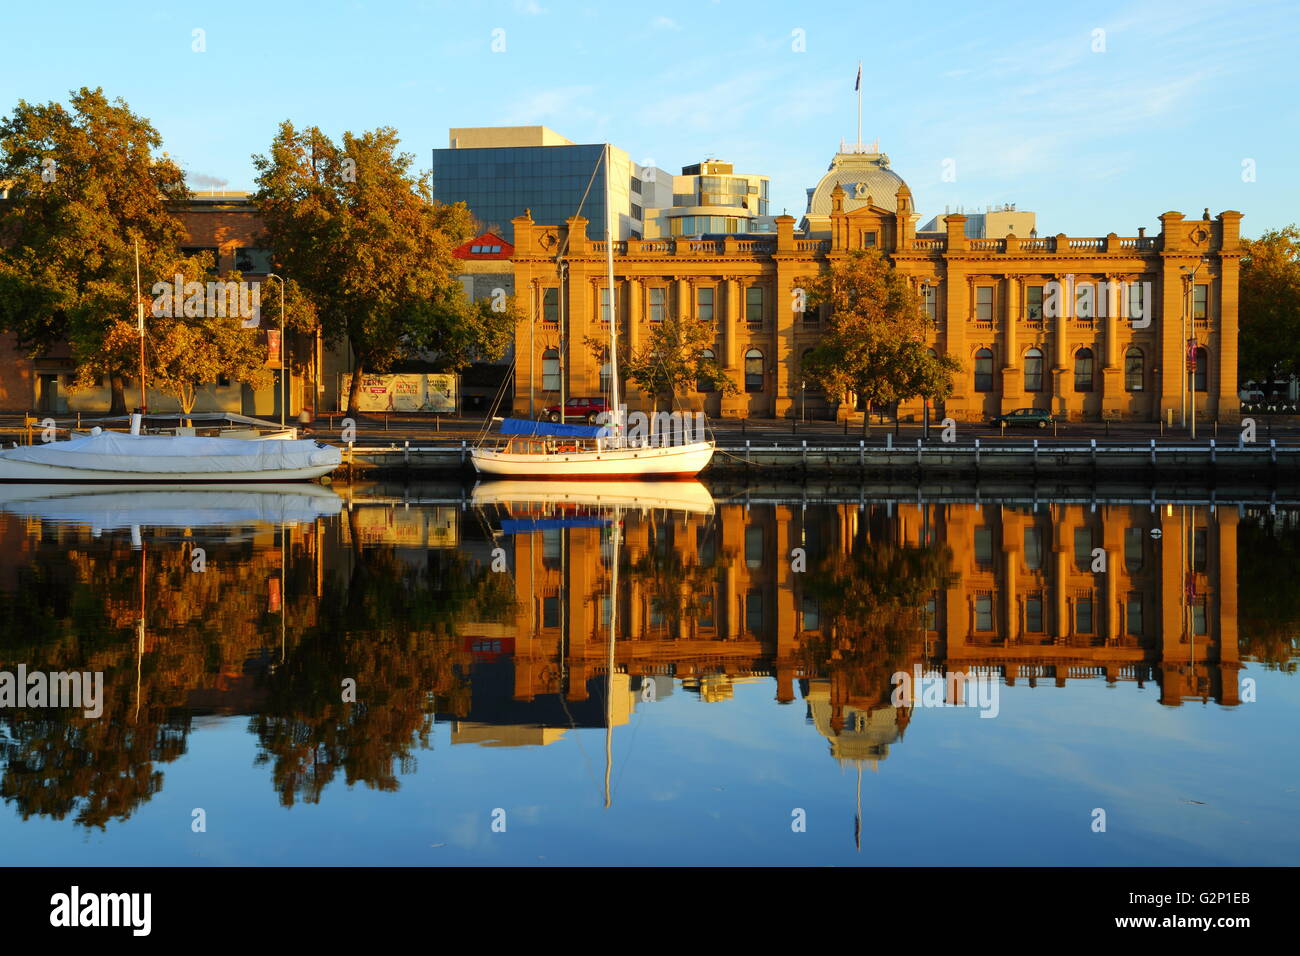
585,409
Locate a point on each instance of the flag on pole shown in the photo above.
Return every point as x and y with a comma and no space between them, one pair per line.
857,84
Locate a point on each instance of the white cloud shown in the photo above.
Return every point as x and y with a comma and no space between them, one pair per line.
665,23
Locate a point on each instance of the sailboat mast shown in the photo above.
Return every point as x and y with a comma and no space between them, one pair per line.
615,547
614,415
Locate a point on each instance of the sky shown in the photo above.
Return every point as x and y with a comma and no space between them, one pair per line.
1097,116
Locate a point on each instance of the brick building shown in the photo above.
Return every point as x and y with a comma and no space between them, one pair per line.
990,300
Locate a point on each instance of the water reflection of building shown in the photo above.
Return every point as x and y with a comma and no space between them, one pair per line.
1055,593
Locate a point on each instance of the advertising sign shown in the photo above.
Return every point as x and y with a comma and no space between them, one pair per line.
416,392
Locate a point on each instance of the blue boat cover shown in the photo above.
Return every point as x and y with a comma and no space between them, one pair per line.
524,426
517,526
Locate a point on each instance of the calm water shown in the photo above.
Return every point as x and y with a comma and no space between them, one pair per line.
1126,658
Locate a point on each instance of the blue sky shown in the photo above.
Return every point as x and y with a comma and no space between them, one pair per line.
1163,117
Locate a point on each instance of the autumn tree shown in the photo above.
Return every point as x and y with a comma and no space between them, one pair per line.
671,361
86,184
1269,307
361,234
190,340
875,344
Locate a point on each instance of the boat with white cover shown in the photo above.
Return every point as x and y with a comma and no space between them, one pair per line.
118,458
112,507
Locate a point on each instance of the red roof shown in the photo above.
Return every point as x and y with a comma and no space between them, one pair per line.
487,246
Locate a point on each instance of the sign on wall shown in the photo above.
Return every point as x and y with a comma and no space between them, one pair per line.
402,393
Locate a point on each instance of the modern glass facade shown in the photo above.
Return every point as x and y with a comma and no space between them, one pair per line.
498,184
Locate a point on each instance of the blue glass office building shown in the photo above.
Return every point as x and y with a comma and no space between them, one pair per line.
499,183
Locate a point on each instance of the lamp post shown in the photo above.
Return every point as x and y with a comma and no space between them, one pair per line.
1191,357
926,285
284,353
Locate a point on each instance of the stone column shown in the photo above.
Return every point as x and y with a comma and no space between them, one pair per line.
1062,377
1013,383
1112,370
727,313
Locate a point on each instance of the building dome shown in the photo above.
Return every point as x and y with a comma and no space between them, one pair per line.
861,175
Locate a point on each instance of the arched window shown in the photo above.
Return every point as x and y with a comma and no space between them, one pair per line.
1134,371
809,384
1202,376
1034,370
705,384
753,371
984,370
1083,362
551,370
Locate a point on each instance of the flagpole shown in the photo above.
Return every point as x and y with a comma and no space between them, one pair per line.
858,86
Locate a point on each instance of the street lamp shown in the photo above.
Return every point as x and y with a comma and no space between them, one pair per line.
926,285
1191,358
284,353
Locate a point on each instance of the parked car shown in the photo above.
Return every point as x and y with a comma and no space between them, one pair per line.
1024,417
585,409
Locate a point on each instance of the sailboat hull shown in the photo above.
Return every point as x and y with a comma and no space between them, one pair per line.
673,461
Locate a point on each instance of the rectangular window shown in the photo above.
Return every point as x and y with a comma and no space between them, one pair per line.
550,612
984,546
705,618
754,612
1083,615
1200,623
1137,302
704,304
604,303
984,612
1201,302
1034,614
706,545
984,303
1133,614
811,614
868,240
250,260
812,316
754,546
656,305
754,306
1083,548
551,306
1034,549
928,297
1134,543
1200,548
1034,303
1083,301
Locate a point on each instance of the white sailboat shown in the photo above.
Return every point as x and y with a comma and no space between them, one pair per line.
116,458
543,450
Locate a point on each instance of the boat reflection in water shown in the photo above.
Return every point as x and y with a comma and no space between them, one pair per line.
493,616
103,507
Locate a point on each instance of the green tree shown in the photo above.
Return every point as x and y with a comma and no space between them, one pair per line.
671,361
364,239
86,184
1269,309
875,344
